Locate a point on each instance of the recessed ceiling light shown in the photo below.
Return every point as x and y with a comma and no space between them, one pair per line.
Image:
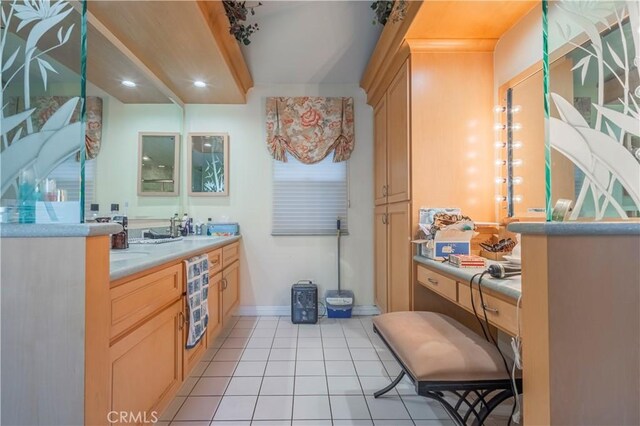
207,144
146,158
199,83
128,83
161,166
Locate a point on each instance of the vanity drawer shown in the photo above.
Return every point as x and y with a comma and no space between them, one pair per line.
215,261
500,313
230,254
435,282
136,300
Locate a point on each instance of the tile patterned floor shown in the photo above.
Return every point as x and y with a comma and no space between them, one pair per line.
266,371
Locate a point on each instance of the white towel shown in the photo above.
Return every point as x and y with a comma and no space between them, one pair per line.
197,272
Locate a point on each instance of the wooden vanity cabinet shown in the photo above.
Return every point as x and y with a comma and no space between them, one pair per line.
146,364
230,290
191,356
215,310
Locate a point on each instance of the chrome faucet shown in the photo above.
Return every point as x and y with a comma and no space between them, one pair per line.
174,226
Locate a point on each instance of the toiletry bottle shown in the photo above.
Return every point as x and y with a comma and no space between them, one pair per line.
198,228
26,197
115,210
185,225
209,226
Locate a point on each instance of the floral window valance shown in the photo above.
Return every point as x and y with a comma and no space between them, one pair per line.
310,128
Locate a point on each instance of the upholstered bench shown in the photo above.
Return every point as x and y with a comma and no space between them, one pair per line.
441,355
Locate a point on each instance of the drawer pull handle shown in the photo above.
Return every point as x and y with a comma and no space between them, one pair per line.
182,321
490,309
224,283
432,281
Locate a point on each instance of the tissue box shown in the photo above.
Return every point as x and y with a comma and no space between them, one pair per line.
446,243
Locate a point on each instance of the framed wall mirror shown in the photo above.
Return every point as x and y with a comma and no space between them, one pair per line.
158,164
208,164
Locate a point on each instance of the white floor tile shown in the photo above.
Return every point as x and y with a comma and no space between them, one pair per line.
217,343
359,342
190,423
309,354
286,332
250,368
209,354
445,423
332,332
405,387
244,386
247,324
421,408
288,354
387,408
370,385
396,422
210,386
344,385
268,324
187,386
355,332
198,408
173,407
220,368
230,423
309,342
364,354
385,355
351,407
352,423
310,368
260,342
277,386
311,385
311,423
340,368
270,423
264,332
269,319
235,342
199,369
308,331
236,408
392,367
311,408
285,342
280,368
334,342
337,354
273,408
370,368
228,355
255,354
241,332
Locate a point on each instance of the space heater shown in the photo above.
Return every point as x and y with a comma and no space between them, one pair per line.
304,303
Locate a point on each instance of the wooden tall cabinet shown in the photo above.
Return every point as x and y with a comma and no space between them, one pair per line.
392,188
433,148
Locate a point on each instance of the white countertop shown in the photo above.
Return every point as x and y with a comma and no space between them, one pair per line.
139,257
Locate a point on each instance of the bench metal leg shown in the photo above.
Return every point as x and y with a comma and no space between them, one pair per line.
390,386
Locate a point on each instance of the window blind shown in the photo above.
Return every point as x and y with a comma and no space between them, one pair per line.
308,198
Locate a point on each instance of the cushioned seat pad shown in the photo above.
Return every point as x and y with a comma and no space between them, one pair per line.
434,347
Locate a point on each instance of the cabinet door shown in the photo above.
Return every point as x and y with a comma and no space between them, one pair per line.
399,257
191,356
146,364
380,152
230,288
380,257
215,316
398,172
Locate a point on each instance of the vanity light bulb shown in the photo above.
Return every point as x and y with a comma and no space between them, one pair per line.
500,144
501,180
515,109
517,180
517,198
517,162
516,126
517,145
146,158
499,126
499,109
500,199
500,163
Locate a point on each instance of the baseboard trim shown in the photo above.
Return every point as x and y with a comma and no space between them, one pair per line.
251,311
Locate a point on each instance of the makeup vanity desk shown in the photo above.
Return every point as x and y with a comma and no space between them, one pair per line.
452,283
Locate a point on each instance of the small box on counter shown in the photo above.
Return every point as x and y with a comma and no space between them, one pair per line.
446,243
494,255
467,261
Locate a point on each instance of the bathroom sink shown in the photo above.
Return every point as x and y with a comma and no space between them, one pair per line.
118,256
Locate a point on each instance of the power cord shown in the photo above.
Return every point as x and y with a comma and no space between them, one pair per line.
325,309
491,339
